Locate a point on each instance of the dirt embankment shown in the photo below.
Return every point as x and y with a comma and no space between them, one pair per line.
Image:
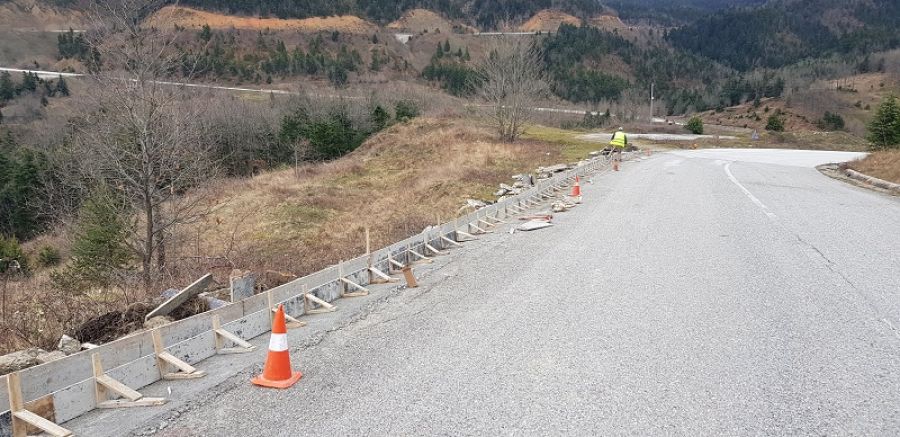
170,16
548,20
423,21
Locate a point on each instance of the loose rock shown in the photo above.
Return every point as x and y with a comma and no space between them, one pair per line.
68,345
20,360
156,322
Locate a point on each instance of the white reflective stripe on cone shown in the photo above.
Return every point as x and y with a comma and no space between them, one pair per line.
278,343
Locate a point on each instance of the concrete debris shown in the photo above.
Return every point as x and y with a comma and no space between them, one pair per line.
572,200
68,345
554,168
179,298
534,225
50,356
559,207
537,217
544,175
474,203
501,192
20,360
156,322
243,284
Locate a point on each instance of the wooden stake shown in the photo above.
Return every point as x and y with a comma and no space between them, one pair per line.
104,384
487,223
21,418
410,278
222,336
164,360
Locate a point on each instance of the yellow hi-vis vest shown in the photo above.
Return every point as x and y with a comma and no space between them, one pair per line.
619,140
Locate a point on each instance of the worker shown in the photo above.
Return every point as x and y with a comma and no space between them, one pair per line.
618,143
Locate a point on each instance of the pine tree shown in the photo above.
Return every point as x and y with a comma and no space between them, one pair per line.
447,46
7,88
884,129
99,249
62,87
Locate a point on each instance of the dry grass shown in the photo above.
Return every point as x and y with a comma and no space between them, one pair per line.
402,180
170,16
882,165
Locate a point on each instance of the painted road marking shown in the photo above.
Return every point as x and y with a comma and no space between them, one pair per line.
747,192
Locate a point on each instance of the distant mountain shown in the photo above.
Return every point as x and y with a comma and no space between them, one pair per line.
784,31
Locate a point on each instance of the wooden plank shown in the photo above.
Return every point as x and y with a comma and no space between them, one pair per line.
240,342
181,297
44,424
119,388
177,363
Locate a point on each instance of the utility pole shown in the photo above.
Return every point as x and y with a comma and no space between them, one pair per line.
651,102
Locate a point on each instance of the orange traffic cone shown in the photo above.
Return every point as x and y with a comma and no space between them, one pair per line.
278,373
616,165
576,189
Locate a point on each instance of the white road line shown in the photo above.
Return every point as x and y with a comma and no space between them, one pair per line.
747,192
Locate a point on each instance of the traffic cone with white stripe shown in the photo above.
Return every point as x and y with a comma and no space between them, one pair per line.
278,373
576,188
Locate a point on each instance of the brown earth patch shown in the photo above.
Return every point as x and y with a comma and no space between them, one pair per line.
170,16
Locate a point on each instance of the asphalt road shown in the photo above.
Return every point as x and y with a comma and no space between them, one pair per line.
694,293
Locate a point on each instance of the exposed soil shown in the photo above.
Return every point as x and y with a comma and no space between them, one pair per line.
548,20
170,16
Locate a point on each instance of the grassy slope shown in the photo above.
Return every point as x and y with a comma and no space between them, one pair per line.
402,180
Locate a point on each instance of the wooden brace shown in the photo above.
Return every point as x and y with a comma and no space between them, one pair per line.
240,345
445,239
422,258
104,384
309,299
291,322
433,249
380,277
21,418
164,360
361,291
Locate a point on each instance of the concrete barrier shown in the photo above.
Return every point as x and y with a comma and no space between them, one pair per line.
131,359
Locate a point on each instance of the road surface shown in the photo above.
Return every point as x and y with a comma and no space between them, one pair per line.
694,293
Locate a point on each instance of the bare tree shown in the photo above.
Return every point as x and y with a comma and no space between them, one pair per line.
512,84
142,137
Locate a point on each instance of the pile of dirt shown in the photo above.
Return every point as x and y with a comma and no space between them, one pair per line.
116,324
170,16
548,20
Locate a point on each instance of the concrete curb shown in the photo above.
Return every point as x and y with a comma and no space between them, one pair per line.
880,183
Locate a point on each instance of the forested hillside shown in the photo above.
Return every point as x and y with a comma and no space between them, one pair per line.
669,13
785,31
